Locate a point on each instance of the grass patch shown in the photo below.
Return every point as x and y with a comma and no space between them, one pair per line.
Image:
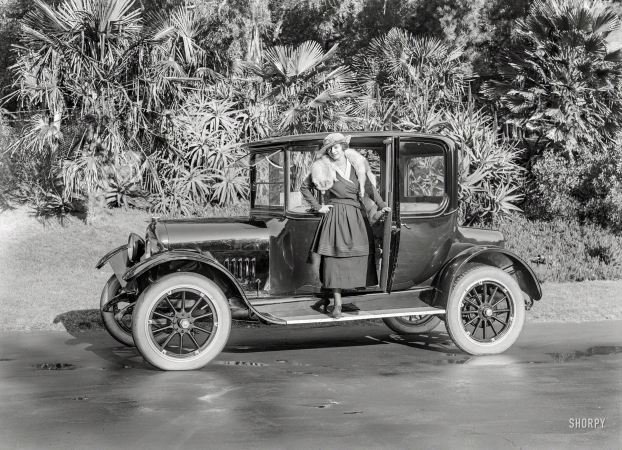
584,301
48,271
49,281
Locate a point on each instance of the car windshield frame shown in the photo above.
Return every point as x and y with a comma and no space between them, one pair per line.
257,156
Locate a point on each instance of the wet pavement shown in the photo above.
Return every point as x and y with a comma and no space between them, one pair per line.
331,387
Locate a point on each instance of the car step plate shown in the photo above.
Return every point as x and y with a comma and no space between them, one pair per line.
356,314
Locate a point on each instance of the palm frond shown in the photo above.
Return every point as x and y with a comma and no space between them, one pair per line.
305,57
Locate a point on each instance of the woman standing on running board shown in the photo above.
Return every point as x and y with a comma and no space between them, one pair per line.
343,238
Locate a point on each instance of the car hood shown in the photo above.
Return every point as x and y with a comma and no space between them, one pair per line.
213,235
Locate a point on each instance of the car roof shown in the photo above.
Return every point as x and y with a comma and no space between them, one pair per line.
355,134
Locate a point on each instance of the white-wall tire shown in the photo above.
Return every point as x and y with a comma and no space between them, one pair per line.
191,311
485,311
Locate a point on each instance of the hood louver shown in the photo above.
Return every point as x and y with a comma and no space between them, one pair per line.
244,269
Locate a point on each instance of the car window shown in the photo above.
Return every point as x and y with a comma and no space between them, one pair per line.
422,178
268,179
301,159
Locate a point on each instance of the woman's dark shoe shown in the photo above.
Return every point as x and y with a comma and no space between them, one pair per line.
321,306
337,312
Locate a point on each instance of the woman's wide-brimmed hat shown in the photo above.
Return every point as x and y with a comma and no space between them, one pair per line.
332,139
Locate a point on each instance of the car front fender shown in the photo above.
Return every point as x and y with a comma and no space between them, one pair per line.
109,255
169,256
190,255
491,256
118,262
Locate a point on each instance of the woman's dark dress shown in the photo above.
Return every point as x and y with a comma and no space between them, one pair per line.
344,237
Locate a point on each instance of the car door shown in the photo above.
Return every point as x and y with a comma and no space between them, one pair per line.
268,205
425,209
391,234
302,265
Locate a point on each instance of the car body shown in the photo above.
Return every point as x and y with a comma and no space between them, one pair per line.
260,267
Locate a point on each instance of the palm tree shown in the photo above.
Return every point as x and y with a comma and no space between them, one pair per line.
401,55
76,56
79,41
560,83
420,76
417,83
302,82
117,73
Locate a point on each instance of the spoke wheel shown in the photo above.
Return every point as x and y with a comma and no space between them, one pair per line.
412,324
485,311
181,322
185,319
118,321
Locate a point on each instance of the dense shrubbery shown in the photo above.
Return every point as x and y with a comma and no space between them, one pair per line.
587,188
7,177
568,251
418,84
176,143
561,88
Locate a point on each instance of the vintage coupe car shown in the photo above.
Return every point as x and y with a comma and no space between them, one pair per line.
175,292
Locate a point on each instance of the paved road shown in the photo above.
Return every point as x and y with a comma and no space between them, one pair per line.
333,387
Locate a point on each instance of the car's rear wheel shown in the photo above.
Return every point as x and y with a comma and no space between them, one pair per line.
485,311
117,322
412,324
181,322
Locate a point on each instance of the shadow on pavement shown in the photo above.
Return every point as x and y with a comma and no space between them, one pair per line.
80,320
80,323
109,350
100,343
301,340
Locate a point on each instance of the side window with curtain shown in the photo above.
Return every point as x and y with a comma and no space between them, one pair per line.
268,180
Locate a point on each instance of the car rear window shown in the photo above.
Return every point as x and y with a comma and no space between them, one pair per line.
422,177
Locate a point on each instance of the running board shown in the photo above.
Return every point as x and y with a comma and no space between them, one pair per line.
376,305
398,299
318,317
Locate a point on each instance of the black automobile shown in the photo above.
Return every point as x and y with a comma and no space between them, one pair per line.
175,292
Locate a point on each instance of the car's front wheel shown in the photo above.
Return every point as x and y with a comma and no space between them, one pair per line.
412,324
181,322
485,311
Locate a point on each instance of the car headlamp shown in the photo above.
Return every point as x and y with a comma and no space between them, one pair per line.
135,247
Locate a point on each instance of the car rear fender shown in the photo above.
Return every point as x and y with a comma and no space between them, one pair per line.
491,256
141,270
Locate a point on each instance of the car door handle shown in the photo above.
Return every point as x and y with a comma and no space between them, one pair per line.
404,225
